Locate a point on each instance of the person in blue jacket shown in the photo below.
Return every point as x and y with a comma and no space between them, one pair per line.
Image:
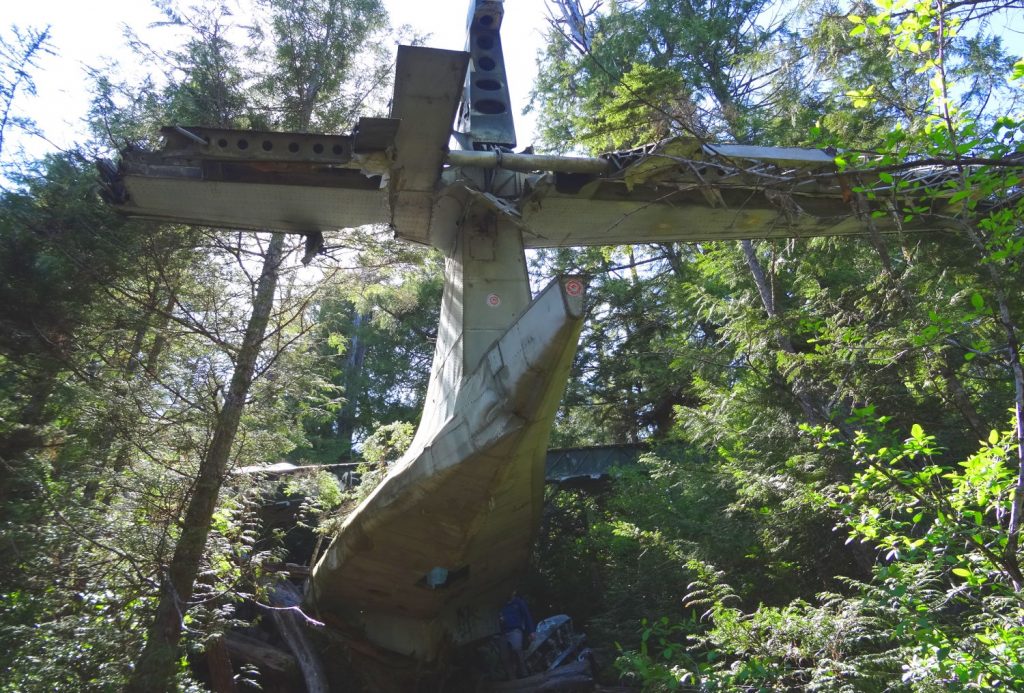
517,627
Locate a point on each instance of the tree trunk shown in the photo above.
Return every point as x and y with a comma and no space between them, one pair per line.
291,625
353,370
1005,319
218,661
157,665
811,405
269,659
958,394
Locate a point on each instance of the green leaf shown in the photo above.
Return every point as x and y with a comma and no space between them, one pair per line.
1018,70
962,572
993,437
977,301
916,432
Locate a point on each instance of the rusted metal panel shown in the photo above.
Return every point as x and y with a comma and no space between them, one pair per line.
679,190
258,180
608,213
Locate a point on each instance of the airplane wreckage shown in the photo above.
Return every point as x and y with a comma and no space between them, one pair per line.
436,548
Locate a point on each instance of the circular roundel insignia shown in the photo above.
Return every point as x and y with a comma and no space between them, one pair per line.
493,300
574,287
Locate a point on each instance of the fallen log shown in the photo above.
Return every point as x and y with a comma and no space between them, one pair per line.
291,624
245,648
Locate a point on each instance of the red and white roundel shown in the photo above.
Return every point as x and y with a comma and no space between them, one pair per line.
574,287
493,300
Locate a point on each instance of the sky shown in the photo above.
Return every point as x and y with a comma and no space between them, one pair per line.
86,33
89,33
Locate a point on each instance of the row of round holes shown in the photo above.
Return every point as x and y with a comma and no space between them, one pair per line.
293,147
486,63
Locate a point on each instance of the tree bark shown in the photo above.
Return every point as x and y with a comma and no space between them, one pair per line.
218,660
763,288
158,663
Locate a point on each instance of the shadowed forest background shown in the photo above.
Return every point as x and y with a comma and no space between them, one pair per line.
834,491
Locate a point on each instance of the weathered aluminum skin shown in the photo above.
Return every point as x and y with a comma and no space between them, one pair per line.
255,206
467,497
428,88
680,191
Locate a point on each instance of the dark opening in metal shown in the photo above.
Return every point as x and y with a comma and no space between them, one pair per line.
441,578
222,143
337,149
243,144
318,148
267,145
293,147
489,106
487,20
486,63
488,84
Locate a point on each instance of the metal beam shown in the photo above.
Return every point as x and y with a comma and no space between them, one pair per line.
485,119
527,163
428,87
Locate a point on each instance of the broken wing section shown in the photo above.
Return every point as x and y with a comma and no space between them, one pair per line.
259,180
385,172
683,189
